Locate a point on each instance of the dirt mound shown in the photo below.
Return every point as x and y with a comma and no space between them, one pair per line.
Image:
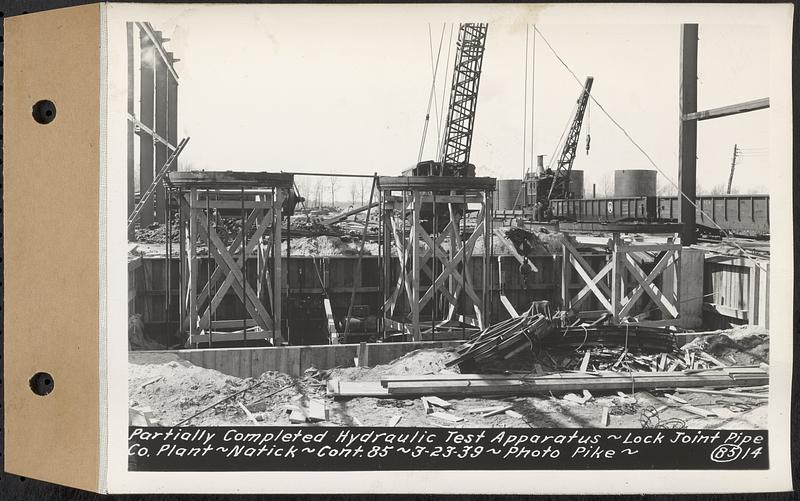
328,246
176,389
417,362
745,345
156,233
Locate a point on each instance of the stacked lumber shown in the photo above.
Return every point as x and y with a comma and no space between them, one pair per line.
501,385
503,340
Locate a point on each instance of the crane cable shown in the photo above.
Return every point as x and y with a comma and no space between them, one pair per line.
648,157
440,146
525,106
433,73
430,95
525,168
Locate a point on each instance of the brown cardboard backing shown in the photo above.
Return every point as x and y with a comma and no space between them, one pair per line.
51,245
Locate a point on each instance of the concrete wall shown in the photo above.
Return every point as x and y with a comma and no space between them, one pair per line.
292,360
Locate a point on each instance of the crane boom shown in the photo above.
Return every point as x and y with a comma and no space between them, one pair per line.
463,97
560,186
453,158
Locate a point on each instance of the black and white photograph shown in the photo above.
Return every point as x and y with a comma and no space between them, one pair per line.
464,222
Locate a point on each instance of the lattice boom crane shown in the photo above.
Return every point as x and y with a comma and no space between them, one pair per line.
560,186
454,155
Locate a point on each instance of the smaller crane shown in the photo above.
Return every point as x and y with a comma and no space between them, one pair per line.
560,185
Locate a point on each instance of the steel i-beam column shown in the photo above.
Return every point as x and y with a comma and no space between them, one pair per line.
687,146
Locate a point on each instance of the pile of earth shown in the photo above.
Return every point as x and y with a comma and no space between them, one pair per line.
176,389
417,362
155,233
329,246
745,345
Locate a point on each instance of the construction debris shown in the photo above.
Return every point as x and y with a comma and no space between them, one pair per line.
503,340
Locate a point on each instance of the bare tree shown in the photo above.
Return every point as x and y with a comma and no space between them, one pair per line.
667,190
363,187
608,186
318,185
333,181
353,192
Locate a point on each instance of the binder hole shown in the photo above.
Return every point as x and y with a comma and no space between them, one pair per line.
44,111
42,383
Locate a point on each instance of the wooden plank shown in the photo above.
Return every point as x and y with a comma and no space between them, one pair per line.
698,411
483,410
585,363
438,402
247,413
425,405
719,378
604,417
447,417
499,410
763,396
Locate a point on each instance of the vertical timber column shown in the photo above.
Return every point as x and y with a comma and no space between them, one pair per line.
161,114
486,308
193,268
387,253
131,134
618,268
687,146
277,290
146,108
414,241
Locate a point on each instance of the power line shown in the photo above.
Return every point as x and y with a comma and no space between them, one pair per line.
430,100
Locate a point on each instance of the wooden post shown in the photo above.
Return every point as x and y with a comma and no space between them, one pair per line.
415,264
565,298
753,294
193,268
487,253
617,269
277,290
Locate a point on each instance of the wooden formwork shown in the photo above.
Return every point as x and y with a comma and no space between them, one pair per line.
424,225
632,272
201,196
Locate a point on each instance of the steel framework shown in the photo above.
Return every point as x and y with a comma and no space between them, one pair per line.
463,97
425,228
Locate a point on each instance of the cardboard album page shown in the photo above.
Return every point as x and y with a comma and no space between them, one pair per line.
449,249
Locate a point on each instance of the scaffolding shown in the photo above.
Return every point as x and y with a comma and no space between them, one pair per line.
256,200
431,225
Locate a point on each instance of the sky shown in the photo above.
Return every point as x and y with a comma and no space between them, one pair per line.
322,91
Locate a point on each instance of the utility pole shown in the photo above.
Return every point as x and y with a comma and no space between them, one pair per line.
733,167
